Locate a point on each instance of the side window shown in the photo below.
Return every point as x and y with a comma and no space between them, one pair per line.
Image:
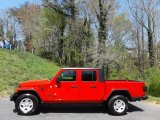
68,75
88,75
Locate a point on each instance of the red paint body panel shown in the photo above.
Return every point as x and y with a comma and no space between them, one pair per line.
80,91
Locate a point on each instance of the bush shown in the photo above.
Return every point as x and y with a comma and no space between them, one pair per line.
154,88
153,82
47,55
124,74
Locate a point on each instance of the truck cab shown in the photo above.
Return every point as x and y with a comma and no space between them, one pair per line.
78,85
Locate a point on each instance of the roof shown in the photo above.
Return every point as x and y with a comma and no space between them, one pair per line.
75,68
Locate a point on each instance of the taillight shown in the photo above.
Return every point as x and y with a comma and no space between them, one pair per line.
144,88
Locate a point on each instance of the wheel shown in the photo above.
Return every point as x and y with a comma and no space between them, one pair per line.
118,105
27,104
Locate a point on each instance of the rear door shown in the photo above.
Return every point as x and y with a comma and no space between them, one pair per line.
92,89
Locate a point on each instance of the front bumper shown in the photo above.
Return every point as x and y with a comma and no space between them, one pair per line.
140,98
13,97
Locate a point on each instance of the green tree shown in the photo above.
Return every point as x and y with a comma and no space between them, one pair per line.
27,17
1,30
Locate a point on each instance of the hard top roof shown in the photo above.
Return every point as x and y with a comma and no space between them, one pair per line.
82,68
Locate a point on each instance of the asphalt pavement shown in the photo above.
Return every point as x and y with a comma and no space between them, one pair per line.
137,111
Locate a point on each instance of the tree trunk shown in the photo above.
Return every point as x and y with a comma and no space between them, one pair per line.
102,29
72,7
73,14
139,49
61,42
150,43
143,61
28,44
142,54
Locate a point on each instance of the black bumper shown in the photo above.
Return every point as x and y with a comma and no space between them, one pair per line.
145,98
13,97
140,98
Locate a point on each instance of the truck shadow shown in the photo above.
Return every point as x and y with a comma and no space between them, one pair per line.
72,108
80,108
133,108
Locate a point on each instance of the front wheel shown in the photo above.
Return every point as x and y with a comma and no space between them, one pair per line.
27,104
118,105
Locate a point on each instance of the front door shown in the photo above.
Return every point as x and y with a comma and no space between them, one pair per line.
66,90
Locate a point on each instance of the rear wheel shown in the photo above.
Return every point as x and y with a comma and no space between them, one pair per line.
27,104
118,105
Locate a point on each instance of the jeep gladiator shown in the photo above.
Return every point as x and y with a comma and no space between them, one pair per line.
78,85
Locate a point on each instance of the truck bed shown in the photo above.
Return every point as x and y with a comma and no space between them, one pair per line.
135,88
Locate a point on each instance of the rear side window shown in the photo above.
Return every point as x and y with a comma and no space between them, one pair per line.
68,76
88,75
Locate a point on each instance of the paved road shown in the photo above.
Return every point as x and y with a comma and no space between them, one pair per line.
137,111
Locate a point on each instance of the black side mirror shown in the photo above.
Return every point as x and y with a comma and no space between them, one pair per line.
58,79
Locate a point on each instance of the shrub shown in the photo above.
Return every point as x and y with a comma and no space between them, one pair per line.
154,88
47,55
153,82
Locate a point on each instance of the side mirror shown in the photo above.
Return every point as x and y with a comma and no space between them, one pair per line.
58,79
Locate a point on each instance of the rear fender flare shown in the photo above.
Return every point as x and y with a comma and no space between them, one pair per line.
123,92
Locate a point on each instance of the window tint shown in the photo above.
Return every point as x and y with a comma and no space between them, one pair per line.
68,76
88,75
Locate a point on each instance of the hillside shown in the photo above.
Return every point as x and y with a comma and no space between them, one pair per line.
16,66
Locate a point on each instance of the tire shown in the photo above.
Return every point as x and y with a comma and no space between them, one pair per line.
27,104
118,105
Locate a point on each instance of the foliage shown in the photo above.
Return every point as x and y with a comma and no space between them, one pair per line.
27,16
121,29
67,39
47,55
153,81
1,31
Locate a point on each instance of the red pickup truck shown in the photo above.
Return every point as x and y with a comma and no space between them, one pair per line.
78,85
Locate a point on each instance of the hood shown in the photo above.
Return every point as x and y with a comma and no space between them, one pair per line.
34,83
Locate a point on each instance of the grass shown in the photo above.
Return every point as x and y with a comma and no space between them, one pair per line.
155,100
16,66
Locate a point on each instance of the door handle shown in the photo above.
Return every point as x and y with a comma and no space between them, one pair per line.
92,86
73,86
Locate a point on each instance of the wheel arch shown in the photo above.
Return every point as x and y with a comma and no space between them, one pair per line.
33,92
124,93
